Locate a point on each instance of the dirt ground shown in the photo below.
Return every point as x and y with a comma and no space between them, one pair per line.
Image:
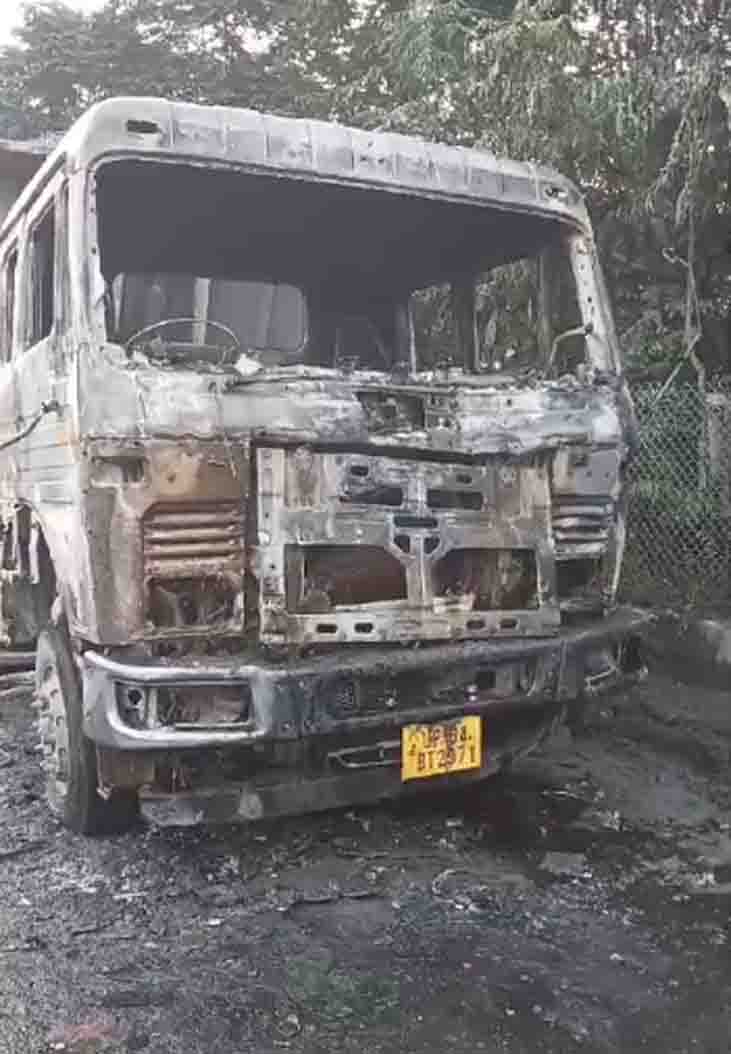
580,903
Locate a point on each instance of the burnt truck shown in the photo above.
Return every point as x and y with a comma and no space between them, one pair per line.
311,465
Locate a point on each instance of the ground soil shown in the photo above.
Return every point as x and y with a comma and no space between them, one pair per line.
578,903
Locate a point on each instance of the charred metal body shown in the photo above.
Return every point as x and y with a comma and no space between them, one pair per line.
312,734
272,520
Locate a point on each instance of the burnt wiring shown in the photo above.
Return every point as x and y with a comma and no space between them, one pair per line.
49,407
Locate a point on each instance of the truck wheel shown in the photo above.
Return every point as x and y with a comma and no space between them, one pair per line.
69,758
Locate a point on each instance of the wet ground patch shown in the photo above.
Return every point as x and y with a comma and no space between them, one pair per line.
577,903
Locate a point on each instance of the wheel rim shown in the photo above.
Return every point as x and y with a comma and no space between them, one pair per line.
54,735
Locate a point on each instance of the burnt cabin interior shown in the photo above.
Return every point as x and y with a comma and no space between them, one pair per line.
352,251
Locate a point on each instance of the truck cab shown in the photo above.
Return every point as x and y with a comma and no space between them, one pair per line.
311,466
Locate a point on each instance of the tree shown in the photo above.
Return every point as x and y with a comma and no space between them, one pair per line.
628,101
64,60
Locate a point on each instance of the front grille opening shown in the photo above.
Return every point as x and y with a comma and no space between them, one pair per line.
578,578
415,522
495,579
374,494
403,542
454,499
322,578
191,603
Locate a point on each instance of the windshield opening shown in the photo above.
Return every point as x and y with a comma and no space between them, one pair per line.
219,265
521,316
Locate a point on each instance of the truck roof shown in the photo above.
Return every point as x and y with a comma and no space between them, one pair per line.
307,149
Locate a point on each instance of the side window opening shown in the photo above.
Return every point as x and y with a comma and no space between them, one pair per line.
568,342
43,251
521,308
506,318
435,326
62,309
8,313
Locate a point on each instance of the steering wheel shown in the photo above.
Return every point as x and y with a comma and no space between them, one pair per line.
155,327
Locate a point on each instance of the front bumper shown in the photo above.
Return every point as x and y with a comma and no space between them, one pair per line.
360,689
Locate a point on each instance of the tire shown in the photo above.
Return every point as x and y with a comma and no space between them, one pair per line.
69,757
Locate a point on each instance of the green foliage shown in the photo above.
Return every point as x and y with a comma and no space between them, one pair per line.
14,124
625,100
507,308
435,327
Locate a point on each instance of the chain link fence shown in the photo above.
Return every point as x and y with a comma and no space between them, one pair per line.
679,522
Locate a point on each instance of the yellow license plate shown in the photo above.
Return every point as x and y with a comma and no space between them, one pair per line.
436,750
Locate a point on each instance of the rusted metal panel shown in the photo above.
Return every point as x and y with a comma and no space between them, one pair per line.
413,513
177,510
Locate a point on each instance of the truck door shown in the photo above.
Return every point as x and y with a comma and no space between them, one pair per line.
40,363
